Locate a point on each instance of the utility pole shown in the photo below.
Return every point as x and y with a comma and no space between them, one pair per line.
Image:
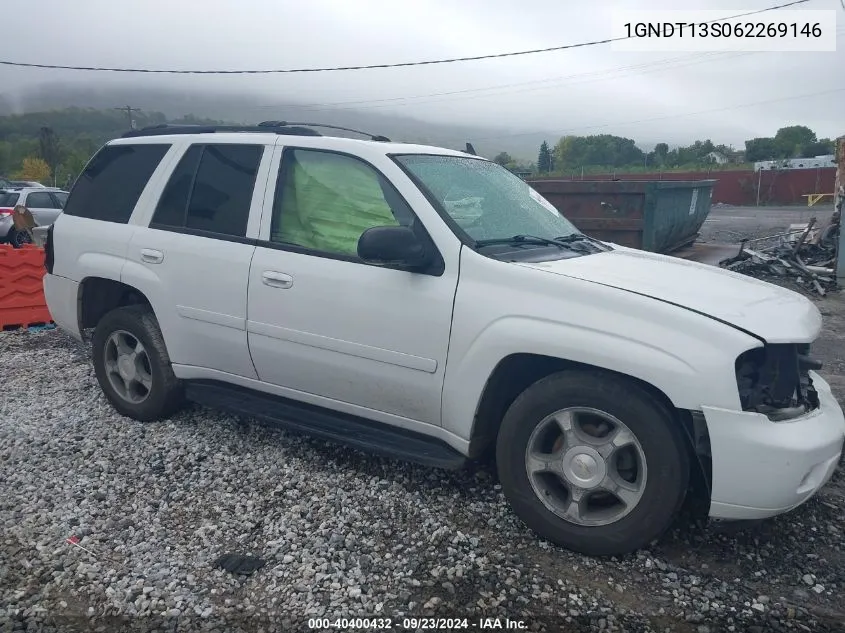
129,110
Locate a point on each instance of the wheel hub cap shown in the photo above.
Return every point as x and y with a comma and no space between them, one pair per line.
126,367
583,467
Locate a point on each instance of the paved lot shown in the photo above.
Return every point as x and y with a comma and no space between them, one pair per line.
344,534
731,224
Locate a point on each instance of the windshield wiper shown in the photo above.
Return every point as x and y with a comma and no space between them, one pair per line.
580,237
523,239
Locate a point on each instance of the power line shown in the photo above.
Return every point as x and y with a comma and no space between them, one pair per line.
538,84
429,62
662,118
467,94
548,80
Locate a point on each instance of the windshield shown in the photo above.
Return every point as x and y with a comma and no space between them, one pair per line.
484,199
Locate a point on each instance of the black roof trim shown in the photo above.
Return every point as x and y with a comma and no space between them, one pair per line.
166,128
274,127
373,137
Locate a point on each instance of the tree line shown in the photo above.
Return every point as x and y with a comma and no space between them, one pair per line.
53,147
608,152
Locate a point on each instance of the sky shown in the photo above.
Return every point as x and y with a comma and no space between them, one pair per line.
676,97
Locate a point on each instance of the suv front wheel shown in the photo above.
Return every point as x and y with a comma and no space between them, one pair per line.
592,462
132,364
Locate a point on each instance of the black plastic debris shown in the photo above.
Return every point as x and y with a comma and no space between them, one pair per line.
239,563
805,254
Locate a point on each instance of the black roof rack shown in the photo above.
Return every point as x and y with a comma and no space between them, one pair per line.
282,124
168,128
275,127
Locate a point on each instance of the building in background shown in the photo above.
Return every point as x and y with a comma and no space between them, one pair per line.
829,160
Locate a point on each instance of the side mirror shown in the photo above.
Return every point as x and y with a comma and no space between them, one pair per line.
396,245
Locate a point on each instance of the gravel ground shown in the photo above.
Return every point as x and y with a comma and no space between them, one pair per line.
342,533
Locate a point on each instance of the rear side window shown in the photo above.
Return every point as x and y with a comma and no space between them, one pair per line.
113,181
41,200
61,198
9,199
211,190
173,205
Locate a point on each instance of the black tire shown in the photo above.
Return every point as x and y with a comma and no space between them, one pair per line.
166,394
18,238
658,434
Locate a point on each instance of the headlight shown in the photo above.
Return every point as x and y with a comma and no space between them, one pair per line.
774,380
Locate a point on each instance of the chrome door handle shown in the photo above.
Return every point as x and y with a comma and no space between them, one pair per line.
276,279
151,256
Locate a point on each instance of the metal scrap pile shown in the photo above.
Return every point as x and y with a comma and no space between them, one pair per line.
806,252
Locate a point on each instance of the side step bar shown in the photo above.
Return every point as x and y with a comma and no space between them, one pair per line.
366,435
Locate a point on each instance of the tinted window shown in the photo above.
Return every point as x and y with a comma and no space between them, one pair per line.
222,192
173,204
40,200
113,181
61,198
9,199
325,201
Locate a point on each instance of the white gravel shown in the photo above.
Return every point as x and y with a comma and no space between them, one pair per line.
342,533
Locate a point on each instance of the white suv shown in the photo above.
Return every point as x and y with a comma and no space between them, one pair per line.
427,304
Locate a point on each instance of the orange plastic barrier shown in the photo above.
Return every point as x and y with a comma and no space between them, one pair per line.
21,292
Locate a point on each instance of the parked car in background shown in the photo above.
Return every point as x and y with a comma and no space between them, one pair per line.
45,204
26,183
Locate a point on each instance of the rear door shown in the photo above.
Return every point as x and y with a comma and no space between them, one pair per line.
192,260
43,206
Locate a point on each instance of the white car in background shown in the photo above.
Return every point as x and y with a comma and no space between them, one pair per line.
45,204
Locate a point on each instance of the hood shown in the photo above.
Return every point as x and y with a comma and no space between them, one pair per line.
769,312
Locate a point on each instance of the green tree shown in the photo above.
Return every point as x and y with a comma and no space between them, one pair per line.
761,148
661,151
822,147
49,149
602,149
792,140
503,158
34,168
544,159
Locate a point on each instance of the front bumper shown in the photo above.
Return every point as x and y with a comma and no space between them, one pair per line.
763,468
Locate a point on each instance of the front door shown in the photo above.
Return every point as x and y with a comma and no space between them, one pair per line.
324,325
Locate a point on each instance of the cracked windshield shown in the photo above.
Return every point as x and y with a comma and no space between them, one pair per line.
486,200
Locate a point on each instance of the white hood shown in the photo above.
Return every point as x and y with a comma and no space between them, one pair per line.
770,312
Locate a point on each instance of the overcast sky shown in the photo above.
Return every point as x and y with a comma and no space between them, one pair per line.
677,97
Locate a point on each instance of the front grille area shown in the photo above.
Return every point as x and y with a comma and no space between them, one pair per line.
774,380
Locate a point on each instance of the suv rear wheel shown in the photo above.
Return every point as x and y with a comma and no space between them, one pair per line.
592,462
132,365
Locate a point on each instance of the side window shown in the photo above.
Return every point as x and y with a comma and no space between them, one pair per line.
40,200
61,199
325,201
109,187
173,205
211,189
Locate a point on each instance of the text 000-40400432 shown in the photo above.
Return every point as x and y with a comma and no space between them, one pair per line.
708,30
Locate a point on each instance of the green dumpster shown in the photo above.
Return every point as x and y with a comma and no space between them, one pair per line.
653,215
